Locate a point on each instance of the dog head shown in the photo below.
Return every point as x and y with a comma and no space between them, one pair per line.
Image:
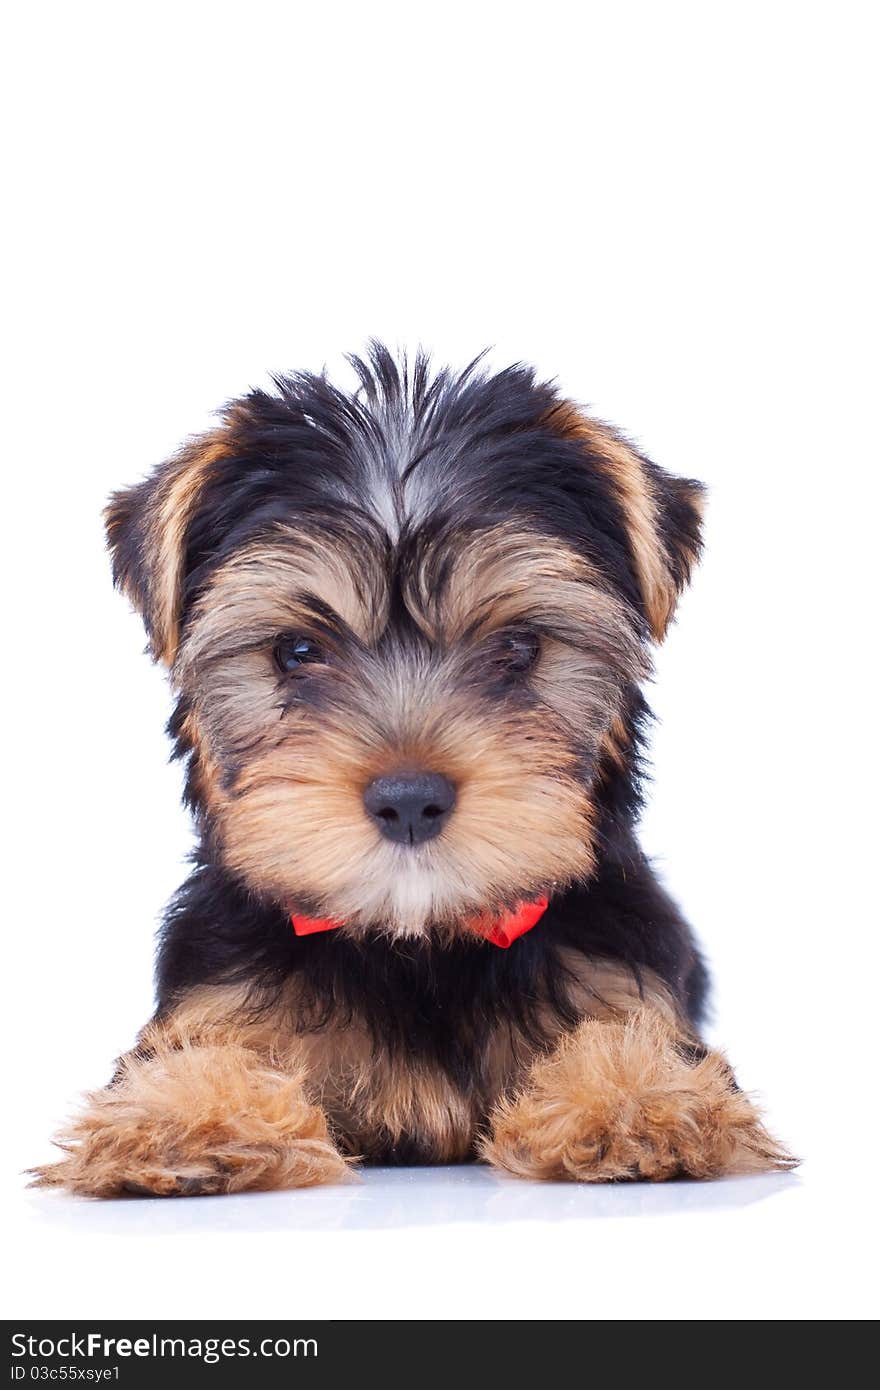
403,625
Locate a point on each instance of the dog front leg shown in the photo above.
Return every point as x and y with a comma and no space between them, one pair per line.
196,1108
631,1097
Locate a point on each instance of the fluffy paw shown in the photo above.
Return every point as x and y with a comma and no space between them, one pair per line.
628,1100
196,1120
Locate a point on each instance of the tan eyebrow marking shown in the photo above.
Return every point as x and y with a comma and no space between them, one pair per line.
264,588
511,573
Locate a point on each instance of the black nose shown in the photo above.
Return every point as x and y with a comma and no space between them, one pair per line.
410,807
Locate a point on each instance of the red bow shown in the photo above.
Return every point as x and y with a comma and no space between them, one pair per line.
501,930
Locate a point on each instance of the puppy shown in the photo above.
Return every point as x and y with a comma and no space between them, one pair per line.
406,629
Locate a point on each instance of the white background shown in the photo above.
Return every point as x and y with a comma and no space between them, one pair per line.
671,208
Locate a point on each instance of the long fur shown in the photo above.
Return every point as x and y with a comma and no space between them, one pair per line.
419,535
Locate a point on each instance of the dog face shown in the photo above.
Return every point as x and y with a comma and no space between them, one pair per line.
403,625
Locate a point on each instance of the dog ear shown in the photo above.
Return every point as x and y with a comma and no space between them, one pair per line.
662,513
146,532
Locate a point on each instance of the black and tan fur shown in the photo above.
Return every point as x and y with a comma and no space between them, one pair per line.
479,571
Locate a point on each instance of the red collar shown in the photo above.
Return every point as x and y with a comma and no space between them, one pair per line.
501,930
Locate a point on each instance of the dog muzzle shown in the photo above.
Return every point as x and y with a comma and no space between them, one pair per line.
502,930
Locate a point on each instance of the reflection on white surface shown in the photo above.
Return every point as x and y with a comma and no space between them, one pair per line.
389,1198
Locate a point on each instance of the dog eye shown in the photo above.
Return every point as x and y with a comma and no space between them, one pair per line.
291,653
520,649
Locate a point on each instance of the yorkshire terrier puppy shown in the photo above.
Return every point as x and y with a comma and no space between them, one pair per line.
406,629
